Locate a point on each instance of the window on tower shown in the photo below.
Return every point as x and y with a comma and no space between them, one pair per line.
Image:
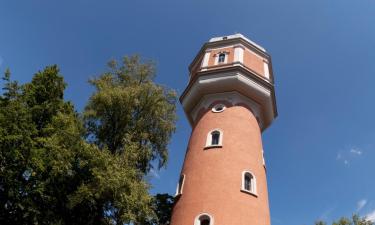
218,108
248,183
264,161
221,58
204,219
214,138
180,184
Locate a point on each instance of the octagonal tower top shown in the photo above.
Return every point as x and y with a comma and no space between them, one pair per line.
231,64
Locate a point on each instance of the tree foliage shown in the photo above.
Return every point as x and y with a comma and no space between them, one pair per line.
354,220
162,205
130,111
57,167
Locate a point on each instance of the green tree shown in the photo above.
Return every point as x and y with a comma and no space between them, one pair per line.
130,112
51,174
357,220
343,221
38,137
162,205
354,220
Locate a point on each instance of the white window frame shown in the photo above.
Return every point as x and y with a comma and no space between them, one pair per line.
264,160
253,188
179,190
209,138
198,218
215,108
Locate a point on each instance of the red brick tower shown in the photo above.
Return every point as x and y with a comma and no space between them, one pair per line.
229,101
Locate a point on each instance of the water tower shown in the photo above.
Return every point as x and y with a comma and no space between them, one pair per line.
229,101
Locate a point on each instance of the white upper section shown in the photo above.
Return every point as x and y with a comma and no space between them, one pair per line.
238,35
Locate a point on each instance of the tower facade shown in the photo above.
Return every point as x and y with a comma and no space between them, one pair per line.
229,101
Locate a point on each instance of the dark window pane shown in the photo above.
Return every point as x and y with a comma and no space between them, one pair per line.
205,222
247,185
215,138
221,58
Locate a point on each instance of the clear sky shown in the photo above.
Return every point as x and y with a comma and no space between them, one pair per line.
320,151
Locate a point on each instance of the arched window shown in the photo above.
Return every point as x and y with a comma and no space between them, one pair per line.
204,219
248,182
221,58
248,178
214,138
180,184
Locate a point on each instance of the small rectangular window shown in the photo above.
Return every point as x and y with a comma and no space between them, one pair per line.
180,185
221,58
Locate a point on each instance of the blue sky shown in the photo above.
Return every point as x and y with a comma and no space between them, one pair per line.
320,150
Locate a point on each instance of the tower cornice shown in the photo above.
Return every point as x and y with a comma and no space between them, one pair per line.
228,79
